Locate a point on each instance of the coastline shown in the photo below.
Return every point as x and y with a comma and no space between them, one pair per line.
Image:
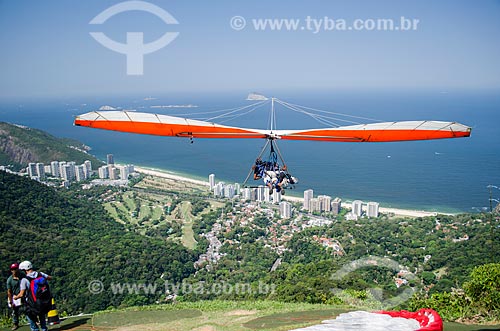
170,175
385,210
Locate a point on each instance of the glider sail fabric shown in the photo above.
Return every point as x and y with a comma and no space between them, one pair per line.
163,125
383,132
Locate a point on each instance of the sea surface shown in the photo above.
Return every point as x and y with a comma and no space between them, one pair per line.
449,175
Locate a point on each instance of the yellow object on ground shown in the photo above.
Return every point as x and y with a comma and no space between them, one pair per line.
53,315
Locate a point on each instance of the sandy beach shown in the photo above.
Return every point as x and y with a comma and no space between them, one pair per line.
169,175
383,210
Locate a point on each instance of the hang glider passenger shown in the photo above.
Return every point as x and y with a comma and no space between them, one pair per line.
273,176
279,179
259,169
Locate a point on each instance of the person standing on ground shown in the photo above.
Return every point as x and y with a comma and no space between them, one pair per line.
37,298
13,288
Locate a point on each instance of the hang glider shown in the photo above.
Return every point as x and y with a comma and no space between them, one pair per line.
171,126
272,169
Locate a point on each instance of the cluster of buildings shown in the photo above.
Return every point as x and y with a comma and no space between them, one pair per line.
115,172
324,203
358,208
223,190
67,171
71,172
260,193
320,204
212,255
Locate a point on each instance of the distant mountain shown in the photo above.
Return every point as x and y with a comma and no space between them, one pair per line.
20,145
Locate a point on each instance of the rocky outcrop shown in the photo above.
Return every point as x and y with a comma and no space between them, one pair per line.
20,145
14,151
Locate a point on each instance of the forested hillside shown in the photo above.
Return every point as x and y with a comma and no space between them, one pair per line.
70,235
76,242
20,145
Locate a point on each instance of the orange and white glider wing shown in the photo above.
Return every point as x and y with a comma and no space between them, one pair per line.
162,125
382,132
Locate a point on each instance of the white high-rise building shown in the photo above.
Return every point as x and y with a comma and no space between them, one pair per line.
325,202
111,171
260,193
68,172
267,196
103,172
80,173
61,167
372,209
40,170
219,189
54,169
114,173
246,193
237,188
253,194
124,172
88,168
315,205
32,170
357,207
229,191
211,181
336,205
47,169
308,195
276,197
285,209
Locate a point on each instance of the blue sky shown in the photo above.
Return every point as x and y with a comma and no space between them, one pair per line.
47,50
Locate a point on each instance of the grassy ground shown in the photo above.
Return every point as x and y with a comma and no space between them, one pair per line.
187,226
151,196
217,316
144,206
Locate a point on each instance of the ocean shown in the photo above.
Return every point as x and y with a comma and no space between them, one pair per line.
449,175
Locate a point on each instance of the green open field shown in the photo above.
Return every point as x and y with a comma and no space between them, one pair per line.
146,206
187,226
217,316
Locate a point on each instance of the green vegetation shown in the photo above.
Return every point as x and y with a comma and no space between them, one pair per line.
21,145
217,315
73,239
439,252
479,301
483,287
157,229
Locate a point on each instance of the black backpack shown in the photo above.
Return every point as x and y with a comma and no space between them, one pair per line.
39,298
